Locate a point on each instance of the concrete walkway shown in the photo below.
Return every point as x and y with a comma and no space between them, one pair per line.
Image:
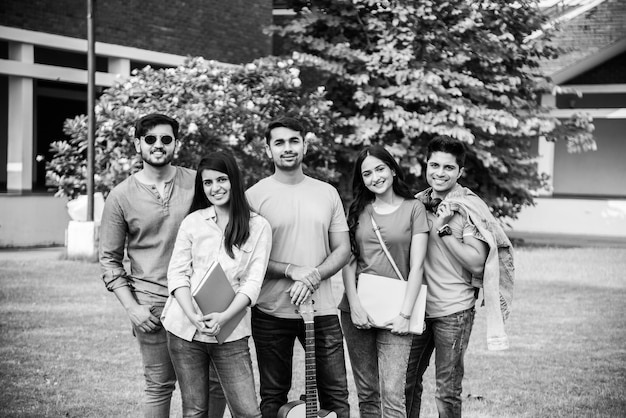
557,240
566,240
43,253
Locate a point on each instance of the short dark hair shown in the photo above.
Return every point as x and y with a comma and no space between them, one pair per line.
147,122
284,122
449,145
238,228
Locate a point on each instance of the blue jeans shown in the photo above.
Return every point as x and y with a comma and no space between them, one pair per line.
233,366
379,363
157,369
160,376
448,336
274,340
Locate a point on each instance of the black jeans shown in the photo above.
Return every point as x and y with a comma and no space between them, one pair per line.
274,340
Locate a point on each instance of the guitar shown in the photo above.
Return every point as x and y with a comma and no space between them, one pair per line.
306,407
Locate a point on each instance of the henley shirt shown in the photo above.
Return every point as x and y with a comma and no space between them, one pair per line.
136,218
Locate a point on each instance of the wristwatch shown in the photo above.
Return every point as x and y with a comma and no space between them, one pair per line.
444,230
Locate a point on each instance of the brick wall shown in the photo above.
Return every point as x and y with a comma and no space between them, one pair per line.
225,30
588,33
604,24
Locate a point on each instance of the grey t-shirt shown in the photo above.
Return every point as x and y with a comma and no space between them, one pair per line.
449,283
397,229
302,216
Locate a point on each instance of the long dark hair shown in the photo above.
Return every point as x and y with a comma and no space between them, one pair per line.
238,228
361,195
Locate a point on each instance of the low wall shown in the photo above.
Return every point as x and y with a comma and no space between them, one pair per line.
32,220
555,219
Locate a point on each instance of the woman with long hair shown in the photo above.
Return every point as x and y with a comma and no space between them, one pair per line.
379,354
219,228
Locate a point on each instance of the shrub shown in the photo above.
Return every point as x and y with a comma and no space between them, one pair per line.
218,106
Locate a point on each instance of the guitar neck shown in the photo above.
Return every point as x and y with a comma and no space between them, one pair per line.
310,375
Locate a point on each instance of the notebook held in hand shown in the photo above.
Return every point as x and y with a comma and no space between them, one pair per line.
215,294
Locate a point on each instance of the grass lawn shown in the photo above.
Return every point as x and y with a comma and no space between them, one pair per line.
66,349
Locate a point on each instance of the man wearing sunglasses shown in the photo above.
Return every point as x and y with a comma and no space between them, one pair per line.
142,216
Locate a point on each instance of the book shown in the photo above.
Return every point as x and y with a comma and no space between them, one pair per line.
214,294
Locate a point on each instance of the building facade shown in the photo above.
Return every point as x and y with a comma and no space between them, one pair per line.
587,195
43,80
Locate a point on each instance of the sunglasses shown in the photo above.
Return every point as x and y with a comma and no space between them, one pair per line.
165,139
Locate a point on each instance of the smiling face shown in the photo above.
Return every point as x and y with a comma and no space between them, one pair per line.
377,176
286,148
216,187
157,154
442,173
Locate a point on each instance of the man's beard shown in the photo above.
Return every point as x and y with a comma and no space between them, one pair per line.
147,159
291,166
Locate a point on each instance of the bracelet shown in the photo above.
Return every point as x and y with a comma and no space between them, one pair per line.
405,316
286,268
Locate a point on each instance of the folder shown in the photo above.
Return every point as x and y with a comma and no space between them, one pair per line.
382,298
214,294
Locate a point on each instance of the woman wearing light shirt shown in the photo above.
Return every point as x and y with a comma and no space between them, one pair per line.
220,226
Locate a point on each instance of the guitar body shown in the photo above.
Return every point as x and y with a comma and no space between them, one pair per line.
297,409
307,406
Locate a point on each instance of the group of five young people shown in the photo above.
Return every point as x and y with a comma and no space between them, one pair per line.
425,243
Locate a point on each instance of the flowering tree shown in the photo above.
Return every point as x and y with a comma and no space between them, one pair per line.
218,107
402,72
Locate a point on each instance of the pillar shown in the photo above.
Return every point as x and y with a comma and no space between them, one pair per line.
21,120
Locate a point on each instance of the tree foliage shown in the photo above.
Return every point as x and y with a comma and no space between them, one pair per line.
402,72
394,72
218,107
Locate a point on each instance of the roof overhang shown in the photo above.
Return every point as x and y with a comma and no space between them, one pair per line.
67,43
589,62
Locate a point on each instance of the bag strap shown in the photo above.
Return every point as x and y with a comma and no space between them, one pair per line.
385,250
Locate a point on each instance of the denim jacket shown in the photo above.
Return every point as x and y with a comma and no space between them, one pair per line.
498,275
